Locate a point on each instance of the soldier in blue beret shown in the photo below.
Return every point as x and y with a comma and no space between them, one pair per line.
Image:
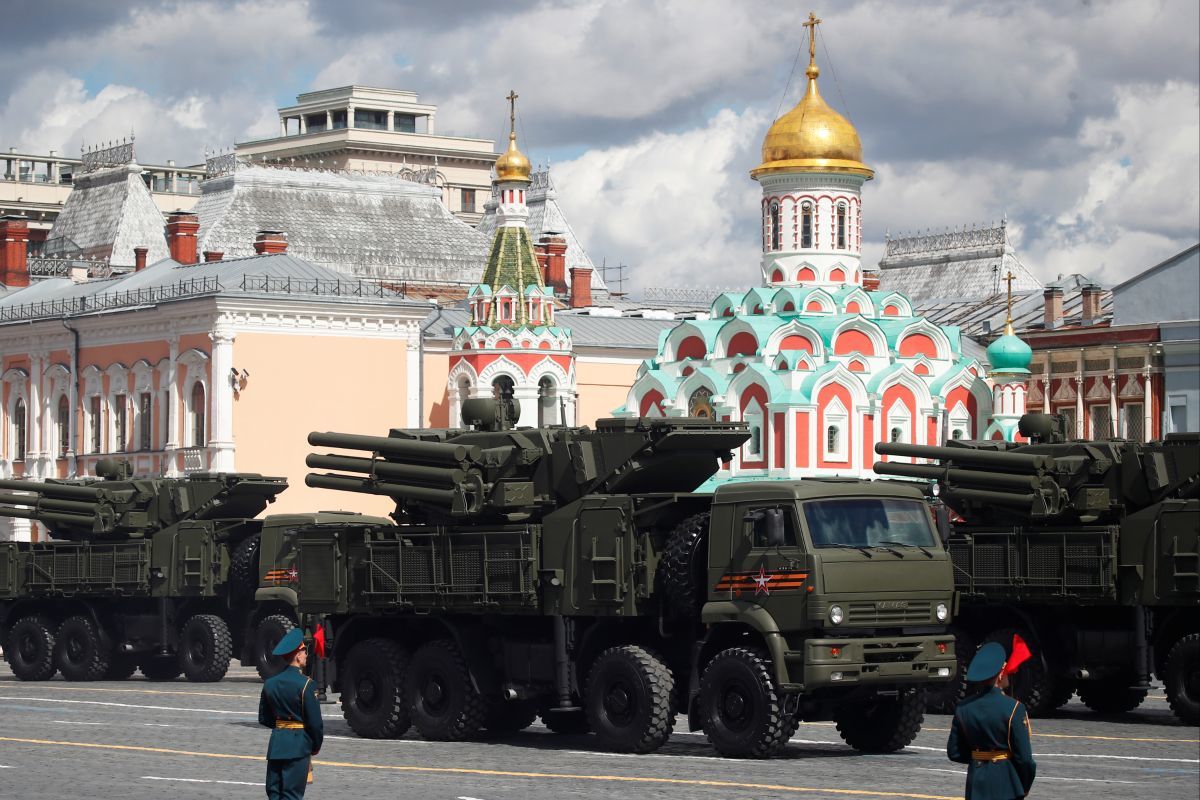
289,707
990,732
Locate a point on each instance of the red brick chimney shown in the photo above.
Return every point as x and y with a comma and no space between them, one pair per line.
1054,308
581,287
870,281
14,252
269,242
182,227
1090,295
139,258
213,255
552,255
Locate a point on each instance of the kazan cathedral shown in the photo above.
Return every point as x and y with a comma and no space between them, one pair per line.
818,362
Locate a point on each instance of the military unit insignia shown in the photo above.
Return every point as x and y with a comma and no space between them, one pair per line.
761,582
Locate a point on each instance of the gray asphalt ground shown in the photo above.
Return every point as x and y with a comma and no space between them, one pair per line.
134,739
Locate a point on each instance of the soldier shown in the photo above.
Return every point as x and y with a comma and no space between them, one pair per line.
990,733
289,707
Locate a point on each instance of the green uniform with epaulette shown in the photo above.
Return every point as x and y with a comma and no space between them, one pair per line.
289,706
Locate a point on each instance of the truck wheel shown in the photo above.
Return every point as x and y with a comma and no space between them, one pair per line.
243,571
121,668
1182,678
160,668
628,700
685,566
81,650
510,716
373,701
1062,690
567,723
942,698
205,647
268,633
1033,685
445,705
741,709
883,725
30,649
1112,695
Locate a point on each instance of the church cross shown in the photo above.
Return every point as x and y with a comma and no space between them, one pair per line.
812,24
512,110
1009,278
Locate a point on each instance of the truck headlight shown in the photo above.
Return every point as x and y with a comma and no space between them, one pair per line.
942,612
835,615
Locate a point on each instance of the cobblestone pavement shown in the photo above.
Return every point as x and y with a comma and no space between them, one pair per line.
135,739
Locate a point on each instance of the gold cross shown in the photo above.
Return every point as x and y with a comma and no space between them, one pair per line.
512,110
1008,326
812,24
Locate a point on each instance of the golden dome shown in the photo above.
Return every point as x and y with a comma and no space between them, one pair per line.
512,165
812,137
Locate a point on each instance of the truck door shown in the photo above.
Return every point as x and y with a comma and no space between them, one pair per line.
767,566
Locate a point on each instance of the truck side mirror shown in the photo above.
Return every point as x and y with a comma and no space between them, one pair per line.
775,532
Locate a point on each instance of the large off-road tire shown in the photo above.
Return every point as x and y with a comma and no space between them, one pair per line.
81,650
1181,674
160,668
267,634
943,698
205,648
510,716
1033,685
1061,692
882,725
567,723
373,700
445,706
1111,695
684,567
121,667
628,699
740,707
243,571
30,648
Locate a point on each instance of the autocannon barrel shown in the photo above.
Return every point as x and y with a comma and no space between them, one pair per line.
1023,501
972,477
968,456
387,489
438,476
402,449
48,517
49,503
53,490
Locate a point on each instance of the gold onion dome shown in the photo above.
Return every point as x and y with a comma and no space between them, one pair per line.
812,137
512,165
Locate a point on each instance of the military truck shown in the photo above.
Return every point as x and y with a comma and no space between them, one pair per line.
575,573
162,574
1087,550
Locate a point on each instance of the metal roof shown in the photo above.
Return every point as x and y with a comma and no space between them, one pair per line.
586,330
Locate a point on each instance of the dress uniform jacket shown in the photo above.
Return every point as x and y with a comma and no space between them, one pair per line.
990,734
289,706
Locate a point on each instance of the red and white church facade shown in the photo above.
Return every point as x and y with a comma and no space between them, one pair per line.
818,362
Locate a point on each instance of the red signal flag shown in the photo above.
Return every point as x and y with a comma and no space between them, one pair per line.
319,641
1020,654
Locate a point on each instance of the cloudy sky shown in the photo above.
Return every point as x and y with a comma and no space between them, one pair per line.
1078,120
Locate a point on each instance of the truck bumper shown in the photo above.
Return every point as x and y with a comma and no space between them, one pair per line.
884,660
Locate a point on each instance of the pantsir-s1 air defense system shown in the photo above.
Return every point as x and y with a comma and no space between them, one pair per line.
162,574
1088,550
575,573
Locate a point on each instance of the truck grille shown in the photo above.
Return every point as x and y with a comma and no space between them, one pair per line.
870,614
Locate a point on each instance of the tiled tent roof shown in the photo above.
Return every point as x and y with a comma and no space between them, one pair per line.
512,262
586,330
367,225
107,214
957,265
546,216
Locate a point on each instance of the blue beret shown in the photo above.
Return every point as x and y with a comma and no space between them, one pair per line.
987,663
292,640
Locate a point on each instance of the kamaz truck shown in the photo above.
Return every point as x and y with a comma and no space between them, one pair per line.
576,574
1088,550
169,575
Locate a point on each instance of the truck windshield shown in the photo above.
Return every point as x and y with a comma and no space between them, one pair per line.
866,522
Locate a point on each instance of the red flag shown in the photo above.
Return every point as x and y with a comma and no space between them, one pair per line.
319,641
1020,654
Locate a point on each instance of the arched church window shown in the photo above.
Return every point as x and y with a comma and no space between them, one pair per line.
841,226
62,425
198,415
19,430
775,233
547,402
700,403
503,388
897,434
957,433
806,225
833,440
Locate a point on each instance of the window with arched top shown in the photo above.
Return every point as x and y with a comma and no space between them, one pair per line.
503,387
806,225
774,223
896,435
833,439
197,415
841,226
700,403
19,430
62,425
957,433
547,402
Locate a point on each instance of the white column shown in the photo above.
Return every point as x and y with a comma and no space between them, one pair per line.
283,126
303,123
173,411
414,377
220,429
391,120
1080,390
527,397
1113,388
33,431
1147,402
429,124
328,120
